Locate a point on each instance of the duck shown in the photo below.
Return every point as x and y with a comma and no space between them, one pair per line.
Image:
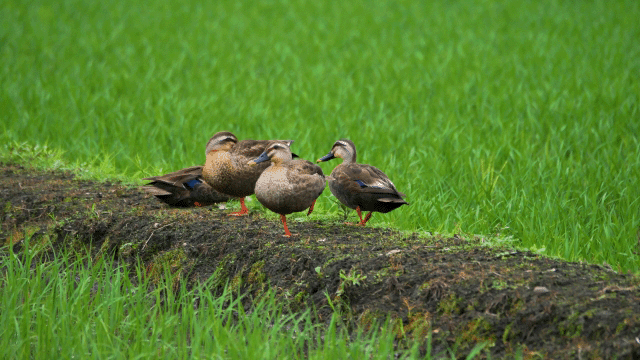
360,186
226,167
184,188
286,185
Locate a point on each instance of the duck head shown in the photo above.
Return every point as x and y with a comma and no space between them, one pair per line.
344,149
223,140
277,152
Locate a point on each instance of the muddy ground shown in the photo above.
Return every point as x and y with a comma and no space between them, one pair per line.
459,290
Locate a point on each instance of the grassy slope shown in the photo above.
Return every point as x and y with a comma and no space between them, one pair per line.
103,310
462,292
494,117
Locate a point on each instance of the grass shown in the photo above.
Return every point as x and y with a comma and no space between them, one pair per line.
73,307
495,117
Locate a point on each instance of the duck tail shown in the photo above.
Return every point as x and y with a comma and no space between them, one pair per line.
393,200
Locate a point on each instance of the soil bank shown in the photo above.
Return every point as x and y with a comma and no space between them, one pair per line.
458,290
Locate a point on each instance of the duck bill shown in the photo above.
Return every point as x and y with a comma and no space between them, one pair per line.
327,157
262,158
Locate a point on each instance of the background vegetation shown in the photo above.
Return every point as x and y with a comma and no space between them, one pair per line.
517,120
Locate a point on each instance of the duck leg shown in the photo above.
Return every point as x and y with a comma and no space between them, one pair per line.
283,218
362,221
360,216
311,208
243,210
366,218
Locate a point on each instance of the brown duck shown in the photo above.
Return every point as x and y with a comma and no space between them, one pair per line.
287,185
227,170
184,188
359,186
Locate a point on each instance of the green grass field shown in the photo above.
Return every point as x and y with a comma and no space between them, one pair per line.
67,309
517,120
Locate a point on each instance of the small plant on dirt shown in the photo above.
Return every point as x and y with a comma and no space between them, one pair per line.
94,214
354,278
56,221
450,305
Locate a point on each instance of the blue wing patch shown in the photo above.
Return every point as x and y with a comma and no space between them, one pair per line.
362,184
192,183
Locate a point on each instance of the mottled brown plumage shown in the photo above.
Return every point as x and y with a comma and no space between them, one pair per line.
184,188
359,186
287,185
226,167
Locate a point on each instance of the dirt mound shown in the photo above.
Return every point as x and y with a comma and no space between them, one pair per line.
457,290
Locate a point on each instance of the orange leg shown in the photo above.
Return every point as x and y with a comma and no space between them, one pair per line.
311,208
366,218
360,216
283,218
243,210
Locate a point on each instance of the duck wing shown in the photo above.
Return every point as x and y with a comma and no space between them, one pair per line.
306,180
250,148
306,167
179,177
368,179
182,188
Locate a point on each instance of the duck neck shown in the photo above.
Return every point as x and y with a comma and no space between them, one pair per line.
276,161
349,158
213,148
279,158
